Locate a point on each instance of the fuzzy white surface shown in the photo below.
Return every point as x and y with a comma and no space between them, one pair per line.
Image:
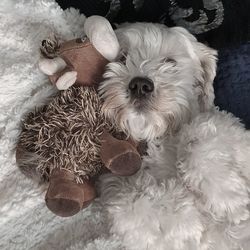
25,222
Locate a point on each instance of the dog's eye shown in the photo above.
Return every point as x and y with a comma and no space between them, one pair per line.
123,58
170,61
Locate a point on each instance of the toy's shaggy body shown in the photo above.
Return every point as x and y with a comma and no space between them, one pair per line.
64,134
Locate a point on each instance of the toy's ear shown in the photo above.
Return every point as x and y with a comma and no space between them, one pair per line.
102,36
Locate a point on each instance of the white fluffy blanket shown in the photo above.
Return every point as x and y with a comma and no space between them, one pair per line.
25,222
148,213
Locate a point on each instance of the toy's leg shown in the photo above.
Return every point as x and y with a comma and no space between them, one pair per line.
51,66
65,197
119,156
27,162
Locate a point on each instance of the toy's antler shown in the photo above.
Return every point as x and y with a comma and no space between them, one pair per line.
102,36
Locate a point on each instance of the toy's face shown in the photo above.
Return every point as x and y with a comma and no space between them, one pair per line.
75,61
154,88
82,57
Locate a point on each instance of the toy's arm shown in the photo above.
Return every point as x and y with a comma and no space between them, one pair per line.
119,156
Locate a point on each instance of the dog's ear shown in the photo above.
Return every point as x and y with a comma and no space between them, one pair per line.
207,60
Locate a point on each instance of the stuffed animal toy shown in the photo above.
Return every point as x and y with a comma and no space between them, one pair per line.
68,141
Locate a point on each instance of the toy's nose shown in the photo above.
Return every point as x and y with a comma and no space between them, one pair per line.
141,86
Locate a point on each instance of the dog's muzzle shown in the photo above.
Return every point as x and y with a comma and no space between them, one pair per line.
141,87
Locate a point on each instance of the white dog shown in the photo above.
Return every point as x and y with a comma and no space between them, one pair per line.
192,191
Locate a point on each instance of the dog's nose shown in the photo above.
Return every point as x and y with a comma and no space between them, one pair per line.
141,86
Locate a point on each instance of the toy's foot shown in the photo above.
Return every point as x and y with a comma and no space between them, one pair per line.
126,164
65,197
119,156
66,80
51,66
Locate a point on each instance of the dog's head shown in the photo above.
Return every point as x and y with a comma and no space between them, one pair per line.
163,77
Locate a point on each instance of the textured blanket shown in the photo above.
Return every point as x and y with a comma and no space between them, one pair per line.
25,221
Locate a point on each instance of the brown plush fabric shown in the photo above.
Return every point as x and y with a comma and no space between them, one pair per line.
80,56
65,197
119,156
66,134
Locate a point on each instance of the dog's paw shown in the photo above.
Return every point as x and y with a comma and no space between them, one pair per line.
208,166
151,215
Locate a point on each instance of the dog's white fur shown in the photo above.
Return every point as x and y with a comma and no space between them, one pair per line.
193,189
182,71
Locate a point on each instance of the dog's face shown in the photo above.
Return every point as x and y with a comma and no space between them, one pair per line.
162,78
